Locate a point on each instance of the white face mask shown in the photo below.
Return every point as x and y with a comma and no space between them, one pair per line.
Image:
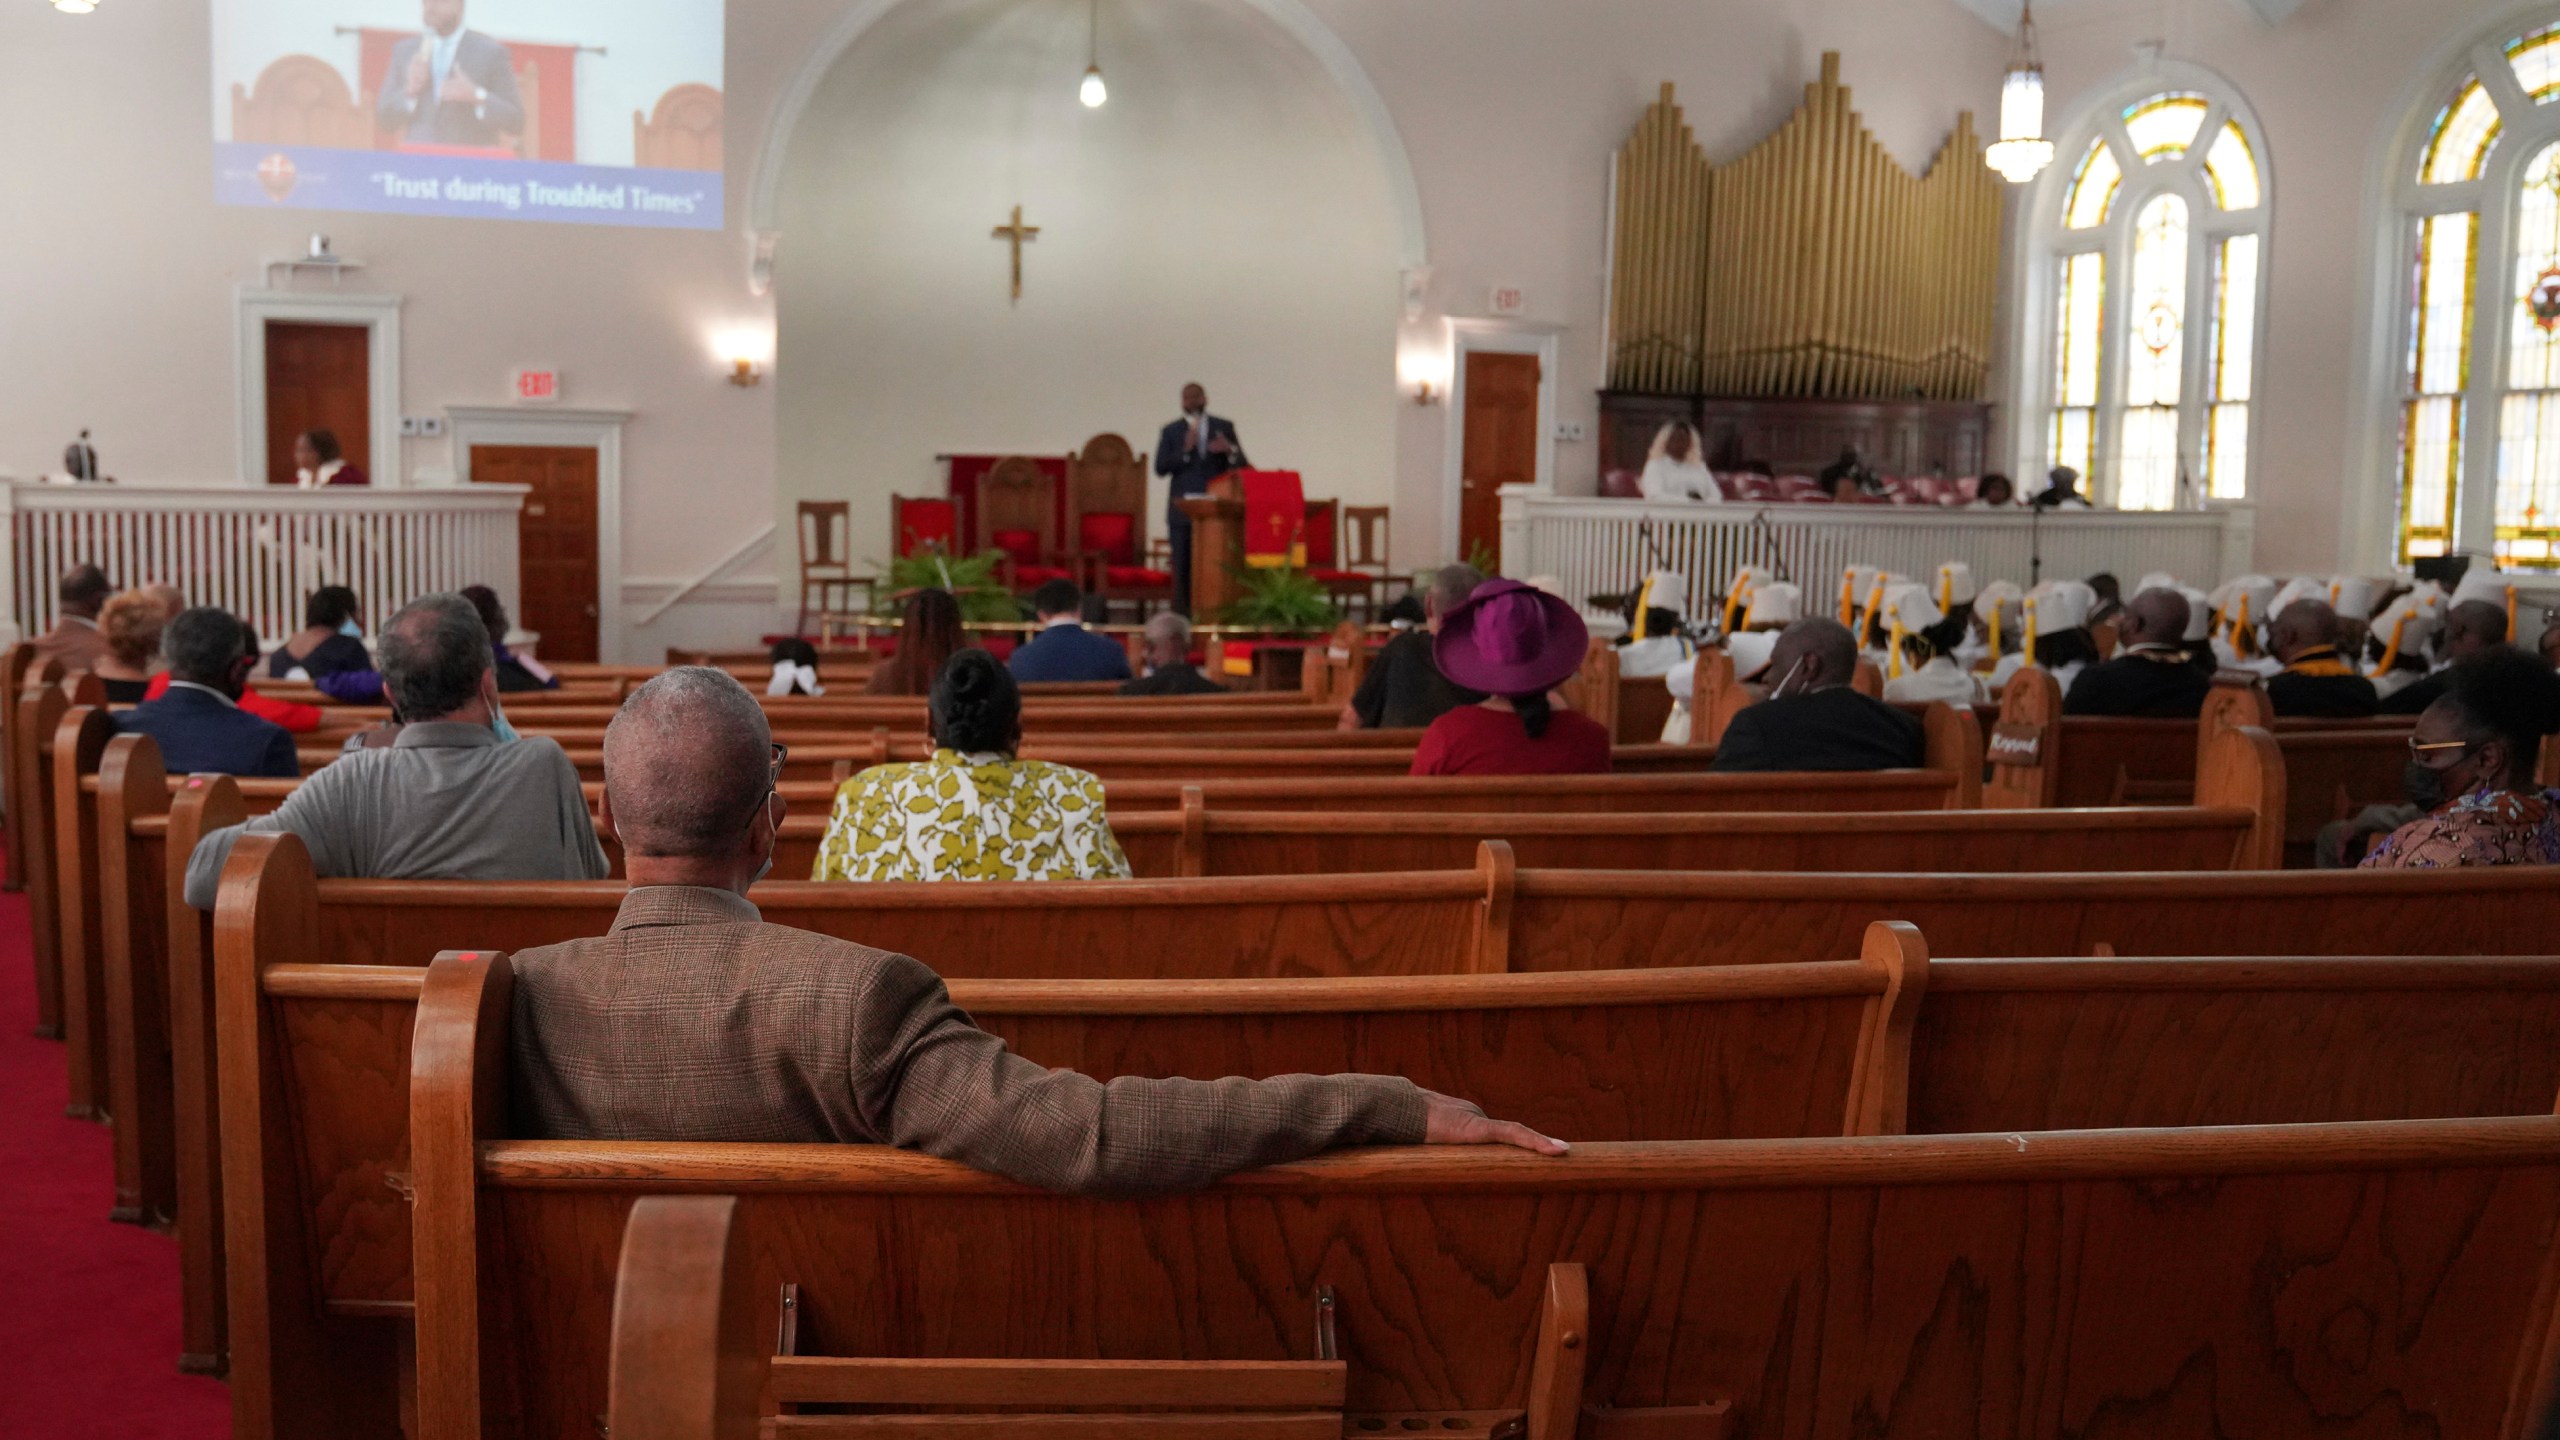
1779,690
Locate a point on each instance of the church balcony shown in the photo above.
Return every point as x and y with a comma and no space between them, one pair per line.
258,552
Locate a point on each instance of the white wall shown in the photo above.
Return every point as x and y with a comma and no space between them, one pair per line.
651,47
1221,219
117,271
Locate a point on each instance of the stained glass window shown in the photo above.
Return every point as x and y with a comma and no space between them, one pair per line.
2528,511
2231,169
2093,190
2535,58
2463,135
2155,357
2163,126
2235,348
2075,390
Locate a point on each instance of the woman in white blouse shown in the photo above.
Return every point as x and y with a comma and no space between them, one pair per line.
1673,469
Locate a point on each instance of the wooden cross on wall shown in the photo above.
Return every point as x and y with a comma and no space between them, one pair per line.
1017,232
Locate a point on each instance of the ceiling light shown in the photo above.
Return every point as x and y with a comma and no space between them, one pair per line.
2022,152
1093,92
75,7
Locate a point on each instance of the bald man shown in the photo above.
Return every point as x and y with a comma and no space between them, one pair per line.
2151,677
1813,719
2315,680
2469,628
692,1019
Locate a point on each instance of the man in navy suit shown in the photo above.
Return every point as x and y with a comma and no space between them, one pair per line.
1192,451
1064,649
199,724
450,86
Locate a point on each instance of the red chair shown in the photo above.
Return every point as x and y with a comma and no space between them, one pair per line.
919,524
1324,562
1018,517
1106,515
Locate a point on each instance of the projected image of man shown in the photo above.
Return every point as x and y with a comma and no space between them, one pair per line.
451,85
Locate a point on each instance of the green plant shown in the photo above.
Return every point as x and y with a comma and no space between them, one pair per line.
1279,598
1481,558
971,579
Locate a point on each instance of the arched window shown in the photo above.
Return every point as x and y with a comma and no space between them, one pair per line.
2144,296
2479,322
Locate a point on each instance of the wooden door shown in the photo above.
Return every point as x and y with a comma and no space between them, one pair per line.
319,377
1501,443
555,541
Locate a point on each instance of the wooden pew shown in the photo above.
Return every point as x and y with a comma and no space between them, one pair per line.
38,710
19,667
1737,1287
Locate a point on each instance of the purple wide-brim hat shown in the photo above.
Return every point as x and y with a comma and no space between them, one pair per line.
1509,639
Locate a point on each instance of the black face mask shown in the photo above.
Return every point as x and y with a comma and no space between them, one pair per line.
2425,786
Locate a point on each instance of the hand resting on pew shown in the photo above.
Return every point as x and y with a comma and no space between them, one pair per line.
693,1020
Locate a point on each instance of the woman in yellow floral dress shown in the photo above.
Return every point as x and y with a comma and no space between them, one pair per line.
973,811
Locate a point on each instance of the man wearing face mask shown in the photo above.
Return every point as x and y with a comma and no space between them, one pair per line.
1813,719
448,798
692,1019
2471,769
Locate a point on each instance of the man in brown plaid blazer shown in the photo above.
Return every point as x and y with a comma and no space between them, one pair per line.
692,1019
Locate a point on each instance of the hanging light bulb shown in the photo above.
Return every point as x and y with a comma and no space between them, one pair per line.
2022,152
1093,92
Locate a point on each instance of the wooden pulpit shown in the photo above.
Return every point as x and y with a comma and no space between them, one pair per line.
1217,546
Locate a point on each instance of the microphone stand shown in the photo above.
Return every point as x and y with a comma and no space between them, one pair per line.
2035,545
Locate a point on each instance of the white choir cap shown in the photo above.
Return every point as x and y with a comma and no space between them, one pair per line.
1773,606
2354,596
2157,580
2487,586
1910,607
2295,591
2002,598
2199,611
2061,605
1955,585
1751,651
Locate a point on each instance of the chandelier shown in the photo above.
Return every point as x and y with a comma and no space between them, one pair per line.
2022,152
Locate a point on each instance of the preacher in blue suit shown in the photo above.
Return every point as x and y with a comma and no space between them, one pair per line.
199,724
450,86
1192,451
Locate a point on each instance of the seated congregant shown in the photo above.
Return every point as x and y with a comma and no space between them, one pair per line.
75,639
295,717
2315,679
2061,491
197,720
1813,719
2471,771
2152,676
2470,628
455,795
1675,470
974,811
1993,492
318,461
1169,667
1064,650
1515,644
795,669
516,673
328,651
131,622
2055,619
929,634
1404,689
1921,641
693,1020
1657,637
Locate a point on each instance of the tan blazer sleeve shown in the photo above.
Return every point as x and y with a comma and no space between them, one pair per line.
925,1078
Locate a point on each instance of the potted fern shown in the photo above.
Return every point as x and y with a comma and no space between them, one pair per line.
1279,599
971,579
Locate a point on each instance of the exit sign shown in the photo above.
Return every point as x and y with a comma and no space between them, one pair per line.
1508,300
537,387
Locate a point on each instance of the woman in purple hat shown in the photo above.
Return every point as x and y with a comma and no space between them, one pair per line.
1515,644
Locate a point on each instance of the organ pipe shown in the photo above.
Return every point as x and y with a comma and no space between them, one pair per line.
1813,266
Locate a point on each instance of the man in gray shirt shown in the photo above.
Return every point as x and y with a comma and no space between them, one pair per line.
456,797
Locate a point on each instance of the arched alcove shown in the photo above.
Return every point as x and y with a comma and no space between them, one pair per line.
1227,217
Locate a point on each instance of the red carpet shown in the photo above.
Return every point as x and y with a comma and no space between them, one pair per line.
88,1309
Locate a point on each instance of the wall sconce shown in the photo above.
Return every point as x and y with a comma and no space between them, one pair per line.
745,373
1423,394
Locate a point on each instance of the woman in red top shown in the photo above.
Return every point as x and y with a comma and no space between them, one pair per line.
1515,644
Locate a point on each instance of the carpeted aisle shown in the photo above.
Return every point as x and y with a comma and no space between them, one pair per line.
88,1309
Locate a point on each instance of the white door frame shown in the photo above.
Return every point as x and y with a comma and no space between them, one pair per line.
597,430
252,308
1510,337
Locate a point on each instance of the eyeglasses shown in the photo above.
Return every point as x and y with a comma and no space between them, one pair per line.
2419,749
773,782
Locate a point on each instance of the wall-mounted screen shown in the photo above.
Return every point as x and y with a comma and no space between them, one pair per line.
594,112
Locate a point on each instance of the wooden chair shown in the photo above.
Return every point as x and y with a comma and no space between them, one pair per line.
1323,560
1107,513
825,529
1018,517
300,100
683,133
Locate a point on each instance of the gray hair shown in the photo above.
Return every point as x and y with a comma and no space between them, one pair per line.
203,644
433,654
1450,587
1167,628
686,760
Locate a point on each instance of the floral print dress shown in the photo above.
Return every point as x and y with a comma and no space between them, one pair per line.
970,817
2485,827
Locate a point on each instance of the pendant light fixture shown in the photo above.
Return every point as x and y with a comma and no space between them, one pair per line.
1093,92
2022,152
75,7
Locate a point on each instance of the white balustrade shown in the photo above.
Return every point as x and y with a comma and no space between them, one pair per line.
260,552
1603,546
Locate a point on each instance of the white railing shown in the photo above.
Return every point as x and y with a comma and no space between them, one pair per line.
1599,546
259,553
